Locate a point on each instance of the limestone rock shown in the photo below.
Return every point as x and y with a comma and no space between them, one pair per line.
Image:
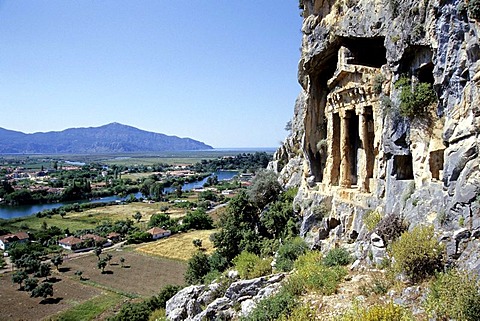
350,148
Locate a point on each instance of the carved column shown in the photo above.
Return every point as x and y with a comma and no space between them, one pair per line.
345,175
363,132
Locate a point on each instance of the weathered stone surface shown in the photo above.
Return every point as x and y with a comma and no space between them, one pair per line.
357,153
198,303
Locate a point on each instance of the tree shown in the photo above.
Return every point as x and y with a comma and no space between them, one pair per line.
19,277
265,188
164,209
98,251
63,213
198,219
57,260
102,264
198,267
44,271
237,225
30,284
109,257
197,243
137,216
43,290
79,274
122,261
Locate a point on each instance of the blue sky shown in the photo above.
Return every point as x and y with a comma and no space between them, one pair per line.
223,72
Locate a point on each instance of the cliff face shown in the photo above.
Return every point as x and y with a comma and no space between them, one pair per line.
361,143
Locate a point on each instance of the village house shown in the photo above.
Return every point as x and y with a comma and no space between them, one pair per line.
71,243
158,233
85,242
7,240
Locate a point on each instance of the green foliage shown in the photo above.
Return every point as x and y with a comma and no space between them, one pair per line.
371,220
265,188
414,101
198,267
379,285
133,312
2,262
289,252
300,313
198,220
474,9
273,307
417,253
166,293
237,225
320,211
43,290
337,257
30,284
378,312
378,81
275,219
19,276
454,295
250,266
139,237
158,315
312,275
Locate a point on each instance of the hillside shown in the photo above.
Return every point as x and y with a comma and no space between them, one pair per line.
111,138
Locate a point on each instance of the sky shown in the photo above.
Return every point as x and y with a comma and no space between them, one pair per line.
222,72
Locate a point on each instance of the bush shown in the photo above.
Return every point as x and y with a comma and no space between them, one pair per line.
336,257
312,275
474,9
378,81
250,266
167,292
378,312
417,254
198,220
371,220
273,307
300,313
391,227
289,252
441,304
198,266
414,101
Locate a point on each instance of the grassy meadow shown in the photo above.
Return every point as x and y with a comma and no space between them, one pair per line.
179,246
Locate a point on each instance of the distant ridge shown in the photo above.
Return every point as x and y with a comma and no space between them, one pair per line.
110,138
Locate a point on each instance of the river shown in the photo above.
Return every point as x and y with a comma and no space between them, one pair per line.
8,212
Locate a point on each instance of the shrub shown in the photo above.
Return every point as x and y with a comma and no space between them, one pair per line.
379,285
289,252
250,266
273,307
377,83
414,101
417,254
371,220
312,275
474,9
391,227
198,266
336,257
463,305
158,315
300,313
378,312
167,292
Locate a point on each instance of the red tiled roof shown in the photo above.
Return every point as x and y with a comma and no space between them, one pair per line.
94,237
157,230
19,236
71,240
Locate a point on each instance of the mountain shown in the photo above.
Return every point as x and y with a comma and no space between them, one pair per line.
111,138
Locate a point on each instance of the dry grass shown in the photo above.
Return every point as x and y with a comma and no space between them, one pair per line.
142,275
179,246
